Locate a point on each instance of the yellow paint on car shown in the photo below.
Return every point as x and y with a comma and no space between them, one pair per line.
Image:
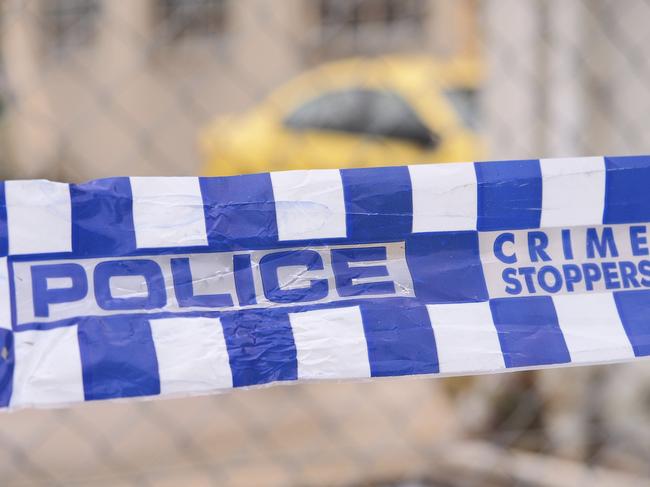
261,139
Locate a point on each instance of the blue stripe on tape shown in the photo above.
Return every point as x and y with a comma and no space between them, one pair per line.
634,311
529,332
378,203
627,189
239,211
118,358
102,217
509,194
4,233
261,347
7,359
446,267
400,338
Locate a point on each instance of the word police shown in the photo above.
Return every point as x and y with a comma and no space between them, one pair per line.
210,281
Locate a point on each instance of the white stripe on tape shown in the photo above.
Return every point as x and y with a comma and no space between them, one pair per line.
38,217
444,197
192,354
48,367
159,202
573,191
330,343
309,204
466,338
592,328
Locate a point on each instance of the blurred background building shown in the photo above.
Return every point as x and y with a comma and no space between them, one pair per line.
100,88
94,88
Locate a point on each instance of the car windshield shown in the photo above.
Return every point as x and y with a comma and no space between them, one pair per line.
380,113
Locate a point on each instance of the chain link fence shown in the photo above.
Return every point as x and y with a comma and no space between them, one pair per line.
92,88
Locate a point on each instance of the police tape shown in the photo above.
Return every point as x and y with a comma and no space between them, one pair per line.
128,287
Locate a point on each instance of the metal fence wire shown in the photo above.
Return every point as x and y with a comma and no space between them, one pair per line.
92,88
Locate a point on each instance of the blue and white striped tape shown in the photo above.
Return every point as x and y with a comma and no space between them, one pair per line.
135,286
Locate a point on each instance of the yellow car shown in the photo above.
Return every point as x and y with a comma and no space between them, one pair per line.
354,113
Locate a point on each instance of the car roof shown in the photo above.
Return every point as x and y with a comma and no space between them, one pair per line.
401,73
